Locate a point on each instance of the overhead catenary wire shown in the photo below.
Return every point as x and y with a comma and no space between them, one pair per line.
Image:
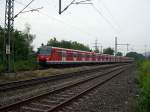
59,20
56,19
109,12
67,24
99,12
61,11
83,2
70,25
23,8
31,9
73,1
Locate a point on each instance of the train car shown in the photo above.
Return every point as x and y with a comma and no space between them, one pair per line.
48,55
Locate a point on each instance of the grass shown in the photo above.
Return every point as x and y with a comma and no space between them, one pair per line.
1,67
23,65
144,83
25,75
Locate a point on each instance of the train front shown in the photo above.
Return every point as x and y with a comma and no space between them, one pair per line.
43,55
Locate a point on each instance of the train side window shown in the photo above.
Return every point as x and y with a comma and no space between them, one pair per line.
93,56
83,55
87,56
69,54
59,53
79,55
63,53
75,54
45,50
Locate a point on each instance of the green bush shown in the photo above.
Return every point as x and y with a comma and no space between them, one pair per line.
29,64
1,67
144,81
22,65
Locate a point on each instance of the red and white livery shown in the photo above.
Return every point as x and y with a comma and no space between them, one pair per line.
54,55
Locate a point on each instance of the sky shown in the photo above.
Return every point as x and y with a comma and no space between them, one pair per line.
128,20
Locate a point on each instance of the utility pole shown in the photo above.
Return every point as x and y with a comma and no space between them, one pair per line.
8,44
96,46
59,6
145,51
8,50
116,46
101,49
127,47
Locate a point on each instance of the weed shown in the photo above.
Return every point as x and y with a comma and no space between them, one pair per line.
144,82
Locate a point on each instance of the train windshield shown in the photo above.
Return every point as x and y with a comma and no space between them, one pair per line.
45,50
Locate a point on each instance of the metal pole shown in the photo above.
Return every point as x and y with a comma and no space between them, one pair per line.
101,49
59,6
127,48
8,49
115,46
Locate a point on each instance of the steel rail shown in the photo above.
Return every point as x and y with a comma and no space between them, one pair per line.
61,105
26,83
20,103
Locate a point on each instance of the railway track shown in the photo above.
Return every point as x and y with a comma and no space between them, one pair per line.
27,83
58,98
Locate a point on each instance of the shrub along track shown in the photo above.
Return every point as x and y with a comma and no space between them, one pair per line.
57,98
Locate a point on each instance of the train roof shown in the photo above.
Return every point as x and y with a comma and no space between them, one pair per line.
83,51
68,49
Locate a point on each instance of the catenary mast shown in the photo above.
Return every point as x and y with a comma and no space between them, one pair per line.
8,50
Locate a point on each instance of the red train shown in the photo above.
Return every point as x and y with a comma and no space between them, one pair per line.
48,55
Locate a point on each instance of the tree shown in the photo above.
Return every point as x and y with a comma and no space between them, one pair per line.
108,51
135,55
53,42
28,37
119,54
96,50
67,44
1,42
22,43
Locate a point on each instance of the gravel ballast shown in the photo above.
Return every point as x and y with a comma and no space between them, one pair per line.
118,95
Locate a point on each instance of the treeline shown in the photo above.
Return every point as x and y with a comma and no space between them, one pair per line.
68,44
25,57
21,42
78,46
23,50
136,56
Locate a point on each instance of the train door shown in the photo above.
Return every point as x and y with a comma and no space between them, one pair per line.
63,56
90,57
96,56
75,56
83,56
